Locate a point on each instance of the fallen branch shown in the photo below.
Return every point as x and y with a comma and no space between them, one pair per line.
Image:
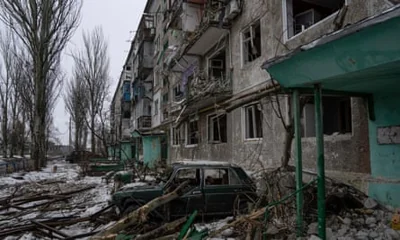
163,230
242,220
51,223
51,229
141,213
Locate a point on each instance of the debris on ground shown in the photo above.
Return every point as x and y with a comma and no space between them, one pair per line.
58,202
53,204
350,214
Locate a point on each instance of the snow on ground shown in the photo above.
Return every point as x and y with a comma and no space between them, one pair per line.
65,171
82,204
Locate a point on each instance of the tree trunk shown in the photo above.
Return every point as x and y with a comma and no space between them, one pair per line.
22,140
85,137
77,140
165,229
39,131
287,145
13,138
289,133
93,137
4,129
140,215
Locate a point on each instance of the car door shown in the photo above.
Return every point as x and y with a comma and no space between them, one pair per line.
220,190
193,197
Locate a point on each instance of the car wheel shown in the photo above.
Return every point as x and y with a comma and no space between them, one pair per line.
241,207
129,206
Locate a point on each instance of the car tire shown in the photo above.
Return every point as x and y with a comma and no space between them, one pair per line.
129,206
242,207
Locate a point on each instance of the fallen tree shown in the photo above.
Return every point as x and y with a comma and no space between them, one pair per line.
167,228
139,215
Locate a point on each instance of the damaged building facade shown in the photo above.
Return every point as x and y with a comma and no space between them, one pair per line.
211,99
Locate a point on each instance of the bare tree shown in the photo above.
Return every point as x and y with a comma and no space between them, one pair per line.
7,73
44,27
76,104
92,67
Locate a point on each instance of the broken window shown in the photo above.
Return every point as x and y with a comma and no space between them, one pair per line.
165,98
253,121
178,136
178,94
251,42
191,175
193,132
217,129
217,176
301,14
217,65
165,114
336,116
220,176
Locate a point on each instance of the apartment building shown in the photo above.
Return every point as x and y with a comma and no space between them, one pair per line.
211,98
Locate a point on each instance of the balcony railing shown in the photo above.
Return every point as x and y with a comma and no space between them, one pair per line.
144,122
201,86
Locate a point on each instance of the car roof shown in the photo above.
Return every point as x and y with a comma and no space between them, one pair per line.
203,163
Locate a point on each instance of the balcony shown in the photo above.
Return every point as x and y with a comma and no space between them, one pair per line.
144,122
183,15
147,30
203,90
216,18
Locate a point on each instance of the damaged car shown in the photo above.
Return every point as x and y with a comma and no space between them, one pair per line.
214,189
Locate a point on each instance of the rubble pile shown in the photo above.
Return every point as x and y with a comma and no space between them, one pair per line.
350,214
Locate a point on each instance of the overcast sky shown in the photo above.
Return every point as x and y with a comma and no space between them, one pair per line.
118,19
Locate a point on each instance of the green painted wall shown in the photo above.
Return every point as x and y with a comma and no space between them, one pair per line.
385,159
126,151
113,151
151,150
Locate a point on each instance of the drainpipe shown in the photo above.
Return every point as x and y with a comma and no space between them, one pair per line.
320,161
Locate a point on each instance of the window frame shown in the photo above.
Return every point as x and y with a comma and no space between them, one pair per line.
243,40
181,138
210,128
187,137
244,122
231,173
285,21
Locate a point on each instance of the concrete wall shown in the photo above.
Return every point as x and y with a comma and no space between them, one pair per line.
148,52
204,150
385,159
156,110
346,152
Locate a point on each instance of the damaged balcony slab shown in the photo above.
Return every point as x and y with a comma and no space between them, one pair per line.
209,37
